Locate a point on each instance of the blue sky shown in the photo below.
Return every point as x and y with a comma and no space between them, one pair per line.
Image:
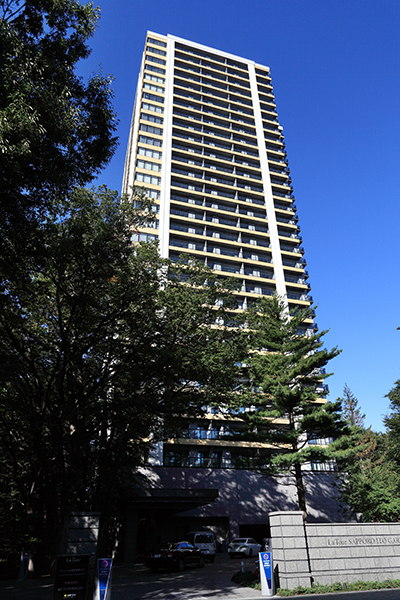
335,71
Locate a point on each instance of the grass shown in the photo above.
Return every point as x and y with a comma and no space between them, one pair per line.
248,579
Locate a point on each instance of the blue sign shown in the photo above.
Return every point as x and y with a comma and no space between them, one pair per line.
24,565
104,566
25,561
266,574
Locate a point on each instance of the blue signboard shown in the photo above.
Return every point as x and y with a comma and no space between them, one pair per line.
24,565
104,566
266,574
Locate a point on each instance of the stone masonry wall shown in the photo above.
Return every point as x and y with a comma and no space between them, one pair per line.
330,552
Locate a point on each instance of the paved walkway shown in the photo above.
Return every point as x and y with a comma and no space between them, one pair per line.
211,583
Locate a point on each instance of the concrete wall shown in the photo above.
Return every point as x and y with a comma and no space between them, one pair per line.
330,552
246,497
83,533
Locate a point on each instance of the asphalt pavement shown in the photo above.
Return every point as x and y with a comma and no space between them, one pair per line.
213,582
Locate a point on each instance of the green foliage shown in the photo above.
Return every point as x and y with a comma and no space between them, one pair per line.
340,587
247,579
368,482
101,344
56,131
392,422
350,408
285,391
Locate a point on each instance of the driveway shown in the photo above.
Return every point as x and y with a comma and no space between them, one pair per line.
138,583
214,581
211,583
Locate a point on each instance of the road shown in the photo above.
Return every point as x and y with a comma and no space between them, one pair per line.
211,583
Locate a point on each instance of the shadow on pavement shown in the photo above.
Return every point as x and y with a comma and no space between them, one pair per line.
135,582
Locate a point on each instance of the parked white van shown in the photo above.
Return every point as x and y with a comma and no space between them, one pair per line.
204,541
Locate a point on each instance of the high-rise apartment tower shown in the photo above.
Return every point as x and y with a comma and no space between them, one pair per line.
207,145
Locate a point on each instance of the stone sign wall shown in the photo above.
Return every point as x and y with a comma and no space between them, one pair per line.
328,552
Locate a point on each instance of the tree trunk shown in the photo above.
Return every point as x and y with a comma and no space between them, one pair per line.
301,492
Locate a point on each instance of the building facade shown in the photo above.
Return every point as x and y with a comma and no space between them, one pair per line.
206,144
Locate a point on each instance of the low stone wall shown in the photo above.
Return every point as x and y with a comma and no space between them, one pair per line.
328,552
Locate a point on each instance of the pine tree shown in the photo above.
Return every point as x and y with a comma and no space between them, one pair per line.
351,410
284,399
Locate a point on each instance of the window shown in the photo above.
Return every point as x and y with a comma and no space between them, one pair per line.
151,118
148,140
173,458
144,164
153,97
154,69
152,107
151,129
316,441
156,42
156,51
150,153
144,237
148,179
323,466
155,59
154,78
199,459
153,88
155,194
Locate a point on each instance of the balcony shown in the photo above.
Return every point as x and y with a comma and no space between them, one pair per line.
281,195
295,249
297,280
201,433
258,290
302,297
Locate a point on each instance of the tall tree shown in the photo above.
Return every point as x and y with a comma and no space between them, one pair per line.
285,395
392,422
368,481
56,131
351,410
101,343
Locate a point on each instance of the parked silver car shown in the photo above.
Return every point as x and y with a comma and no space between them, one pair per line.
243,547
